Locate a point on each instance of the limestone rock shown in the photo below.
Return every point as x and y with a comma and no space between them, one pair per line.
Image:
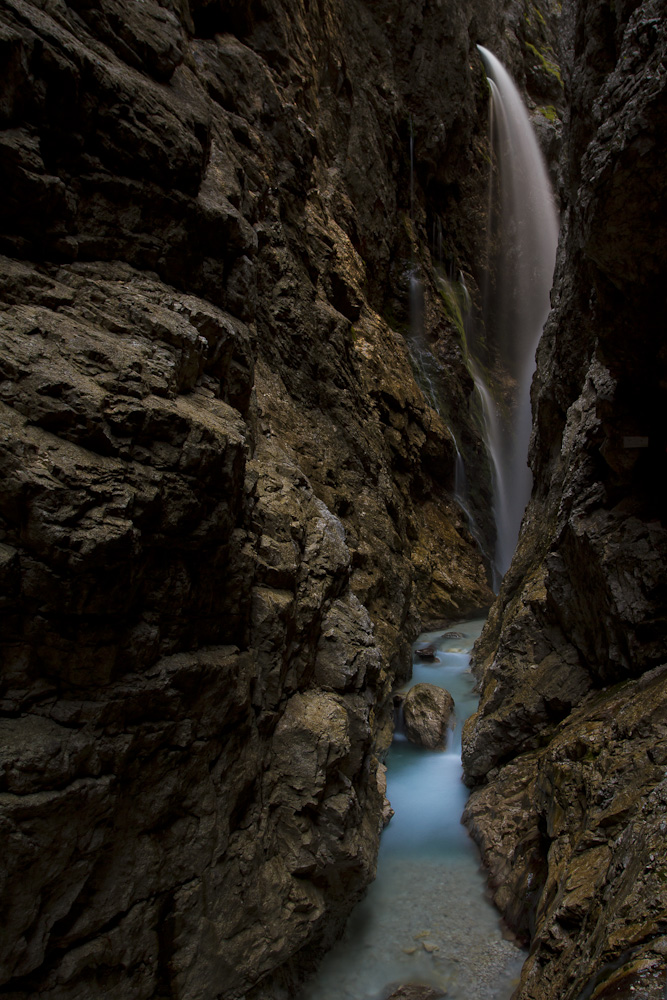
347,655
387,811
227,503
571,721
427,715
580,828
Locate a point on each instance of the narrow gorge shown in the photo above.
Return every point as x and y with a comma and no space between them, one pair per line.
245,266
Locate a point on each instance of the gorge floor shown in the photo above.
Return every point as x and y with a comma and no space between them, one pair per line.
427,918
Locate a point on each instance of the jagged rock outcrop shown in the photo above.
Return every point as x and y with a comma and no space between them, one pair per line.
567,744
227,504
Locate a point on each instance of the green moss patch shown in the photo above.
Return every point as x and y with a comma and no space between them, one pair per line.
547,65
549,113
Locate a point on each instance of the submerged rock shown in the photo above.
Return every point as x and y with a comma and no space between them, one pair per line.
427,715
416,992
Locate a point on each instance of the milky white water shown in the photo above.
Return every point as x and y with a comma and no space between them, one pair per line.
426,919
526,231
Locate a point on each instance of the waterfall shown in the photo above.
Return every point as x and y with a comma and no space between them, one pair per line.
412,172
523,238
493,435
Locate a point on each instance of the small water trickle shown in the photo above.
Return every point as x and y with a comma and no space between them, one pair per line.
416,307
412,171
460,478
426,919
466,305
493,435
429,378
461,497
524,231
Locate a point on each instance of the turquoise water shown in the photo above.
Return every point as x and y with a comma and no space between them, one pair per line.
426,919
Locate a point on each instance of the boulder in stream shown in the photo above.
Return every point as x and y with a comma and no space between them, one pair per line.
427,653
427,714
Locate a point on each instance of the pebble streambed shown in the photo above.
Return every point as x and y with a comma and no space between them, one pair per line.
427,918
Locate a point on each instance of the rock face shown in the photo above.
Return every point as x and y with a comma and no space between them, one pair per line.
427,714
227,504
567,746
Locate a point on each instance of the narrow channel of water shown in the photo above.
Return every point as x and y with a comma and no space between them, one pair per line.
426,919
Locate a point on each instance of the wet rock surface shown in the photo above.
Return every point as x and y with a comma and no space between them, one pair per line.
415,992
227,504
227,496
427,715
565,749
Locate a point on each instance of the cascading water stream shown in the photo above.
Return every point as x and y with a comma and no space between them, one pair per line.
524,234
425,365
428,376
412,172
493,435
426,919
461,496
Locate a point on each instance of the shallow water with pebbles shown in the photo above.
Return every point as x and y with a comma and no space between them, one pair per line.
427,918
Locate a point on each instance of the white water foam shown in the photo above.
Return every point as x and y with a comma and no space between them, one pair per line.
526,234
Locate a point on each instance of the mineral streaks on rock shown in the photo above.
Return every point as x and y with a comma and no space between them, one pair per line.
427,715
225,497
572,716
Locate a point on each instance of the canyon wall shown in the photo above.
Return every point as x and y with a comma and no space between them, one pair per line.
227,503
228,471
567,750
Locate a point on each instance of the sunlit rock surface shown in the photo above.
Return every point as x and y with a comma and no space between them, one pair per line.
567,743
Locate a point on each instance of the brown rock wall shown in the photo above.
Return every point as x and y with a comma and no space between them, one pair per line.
226,503
566,740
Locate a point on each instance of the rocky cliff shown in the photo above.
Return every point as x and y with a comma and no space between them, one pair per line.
227,505
237,242
568,746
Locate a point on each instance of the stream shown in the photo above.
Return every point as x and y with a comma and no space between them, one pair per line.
427,918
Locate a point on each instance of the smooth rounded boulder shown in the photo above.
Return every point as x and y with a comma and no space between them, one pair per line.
427,715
